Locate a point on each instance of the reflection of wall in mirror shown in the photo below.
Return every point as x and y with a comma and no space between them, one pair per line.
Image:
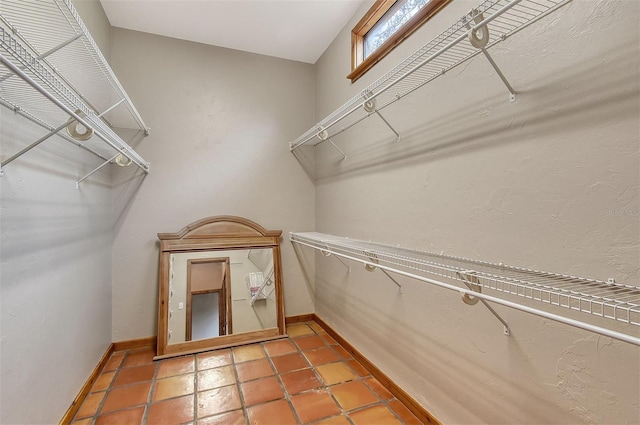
245,318
262,314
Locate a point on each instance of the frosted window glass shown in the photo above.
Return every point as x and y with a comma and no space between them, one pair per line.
391,22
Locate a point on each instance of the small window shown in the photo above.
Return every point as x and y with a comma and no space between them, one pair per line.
384,27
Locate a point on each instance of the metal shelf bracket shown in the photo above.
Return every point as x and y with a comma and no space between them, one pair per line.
324,135
328,254
370,106
472,282
373,265
479,38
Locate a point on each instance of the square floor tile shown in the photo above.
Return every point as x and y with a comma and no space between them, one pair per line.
90,405
114,361
300,380
404,413
103,382
173,387
334,373
132,375
354,394
176,366
128,417
261,390
289,362
299,329
212,359
215,378
378,388
129,396
171,412
374,415
314,405
309,342
139,357
254,369
248,352
231,418
87,421
278,348
218,400
276,412
321,356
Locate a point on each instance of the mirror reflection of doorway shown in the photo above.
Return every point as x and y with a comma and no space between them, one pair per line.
208,298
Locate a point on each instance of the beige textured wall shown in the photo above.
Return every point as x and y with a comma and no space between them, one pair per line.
549,182
55,271
220,121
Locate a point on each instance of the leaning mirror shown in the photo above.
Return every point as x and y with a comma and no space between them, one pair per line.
219,285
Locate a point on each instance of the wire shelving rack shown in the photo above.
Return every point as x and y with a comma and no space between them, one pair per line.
53,74
490,23
494,283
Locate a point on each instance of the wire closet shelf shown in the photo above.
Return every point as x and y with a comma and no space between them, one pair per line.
610,300
53,74
483,27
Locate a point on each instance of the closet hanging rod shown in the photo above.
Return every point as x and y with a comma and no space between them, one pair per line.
129,153
609,300
440,55
47,126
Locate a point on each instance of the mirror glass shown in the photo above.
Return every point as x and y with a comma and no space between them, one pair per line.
215,293
219,285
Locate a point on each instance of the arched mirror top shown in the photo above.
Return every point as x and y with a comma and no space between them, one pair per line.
220,226
224,231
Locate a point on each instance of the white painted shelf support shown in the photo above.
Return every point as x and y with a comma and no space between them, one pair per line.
327,254
472,282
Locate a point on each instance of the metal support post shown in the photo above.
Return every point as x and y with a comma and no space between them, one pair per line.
512,93
472,282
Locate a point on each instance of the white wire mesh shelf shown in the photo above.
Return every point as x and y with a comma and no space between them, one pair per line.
500,18
609,300
51,69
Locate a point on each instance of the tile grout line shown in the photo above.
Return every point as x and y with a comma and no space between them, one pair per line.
152,390
196,370
245,410
287,396
325,387
98,411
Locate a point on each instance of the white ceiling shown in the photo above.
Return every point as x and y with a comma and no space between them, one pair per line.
291,29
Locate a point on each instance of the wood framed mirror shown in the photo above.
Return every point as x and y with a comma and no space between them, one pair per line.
220,285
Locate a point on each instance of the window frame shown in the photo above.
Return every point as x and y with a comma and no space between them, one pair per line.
359,65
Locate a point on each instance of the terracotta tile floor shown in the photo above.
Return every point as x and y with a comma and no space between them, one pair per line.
306,378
